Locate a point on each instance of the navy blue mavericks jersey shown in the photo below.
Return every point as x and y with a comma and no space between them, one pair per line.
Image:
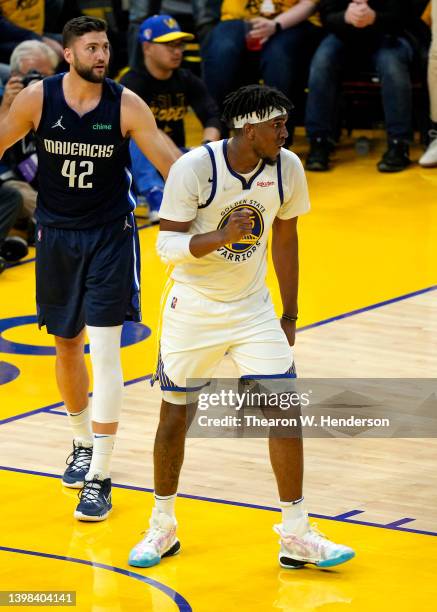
84,172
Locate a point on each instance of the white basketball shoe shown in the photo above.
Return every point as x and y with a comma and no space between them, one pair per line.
311,547
160,541
429,158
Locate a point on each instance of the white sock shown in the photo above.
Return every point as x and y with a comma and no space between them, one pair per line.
80,423
102,455
165,504
294,517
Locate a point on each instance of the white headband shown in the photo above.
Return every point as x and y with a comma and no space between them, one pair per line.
241,120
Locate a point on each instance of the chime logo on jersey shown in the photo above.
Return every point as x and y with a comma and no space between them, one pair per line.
252,237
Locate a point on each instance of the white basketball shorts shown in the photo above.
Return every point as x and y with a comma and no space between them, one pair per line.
197,332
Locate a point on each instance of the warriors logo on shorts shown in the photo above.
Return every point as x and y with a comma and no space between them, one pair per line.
251,237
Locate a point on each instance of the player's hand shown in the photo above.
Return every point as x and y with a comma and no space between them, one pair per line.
12,89
289,328
238,225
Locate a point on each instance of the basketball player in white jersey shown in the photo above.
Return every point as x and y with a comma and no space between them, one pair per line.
220,202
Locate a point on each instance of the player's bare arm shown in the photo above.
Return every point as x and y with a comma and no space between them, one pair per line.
23,116
138,122
203,244
286,263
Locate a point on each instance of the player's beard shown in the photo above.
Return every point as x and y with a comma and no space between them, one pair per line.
270,161
87,73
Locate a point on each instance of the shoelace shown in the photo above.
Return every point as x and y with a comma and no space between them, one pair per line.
80,456
153,536
316,536
90,491
317,532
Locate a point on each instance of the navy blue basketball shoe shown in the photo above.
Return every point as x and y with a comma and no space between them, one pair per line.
78,461
95,500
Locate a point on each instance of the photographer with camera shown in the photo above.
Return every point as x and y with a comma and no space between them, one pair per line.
31,61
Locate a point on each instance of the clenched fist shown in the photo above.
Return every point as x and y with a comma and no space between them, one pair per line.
240,223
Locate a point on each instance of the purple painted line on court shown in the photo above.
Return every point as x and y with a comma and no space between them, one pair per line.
345,515
352,313
30,413
178,599
399,522
19,263
391,526
50,409
137,380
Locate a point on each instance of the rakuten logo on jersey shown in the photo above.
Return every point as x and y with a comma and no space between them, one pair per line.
265,183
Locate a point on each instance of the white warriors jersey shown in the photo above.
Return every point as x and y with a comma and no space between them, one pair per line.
203,188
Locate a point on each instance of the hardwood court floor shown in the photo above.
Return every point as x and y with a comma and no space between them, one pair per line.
369,239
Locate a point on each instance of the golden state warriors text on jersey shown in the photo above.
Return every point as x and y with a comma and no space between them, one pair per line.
246,247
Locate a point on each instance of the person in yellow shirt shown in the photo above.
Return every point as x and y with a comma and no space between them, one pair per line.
21,21
26,15
282,33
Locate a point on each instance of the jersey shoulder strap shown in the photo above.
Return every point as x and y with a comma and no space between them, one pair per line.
214,177
280,186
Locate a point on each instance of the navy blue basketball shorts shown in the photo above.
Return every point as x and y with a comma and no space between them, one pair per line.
87,276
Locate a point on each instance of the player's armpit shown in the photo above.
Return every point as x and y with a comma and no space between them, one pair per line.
21,117
285,229
138,122
166,225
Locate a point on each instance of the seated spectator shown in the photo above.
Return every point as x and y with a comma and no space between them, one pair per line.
361,32
31,60
429,158
284,33
206,14
21,21
168,90
202,15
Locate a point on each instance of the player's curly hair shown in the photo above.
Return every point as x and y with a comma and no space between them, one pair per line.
258,99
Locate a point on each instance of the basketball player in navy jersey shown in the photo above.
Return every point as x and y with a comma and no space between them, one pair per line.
220,202
87,257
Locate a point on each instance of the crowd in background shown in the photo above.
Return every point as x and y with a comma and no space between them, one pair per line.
196,52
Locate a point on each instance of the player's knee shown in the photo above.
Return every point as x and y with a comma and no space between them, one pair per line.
70,346
105,346
173,418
